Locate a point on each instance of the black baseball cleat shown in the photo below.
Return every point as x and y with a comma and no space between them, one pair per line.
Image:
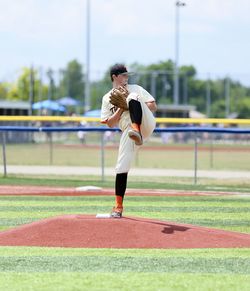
116,212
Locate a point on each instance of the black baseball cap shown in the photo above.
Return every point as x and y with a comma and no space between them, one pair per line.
119,69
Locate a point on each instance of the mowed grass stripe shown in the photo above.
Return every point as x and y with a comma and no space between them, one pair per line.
190,209
65,281
109,252
4,222
88,208
52,208
182,199
39,264
56,198
215,203
179,204
217,223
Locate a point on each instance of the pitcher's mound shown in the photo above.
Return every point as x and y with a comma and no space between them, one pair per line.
87,231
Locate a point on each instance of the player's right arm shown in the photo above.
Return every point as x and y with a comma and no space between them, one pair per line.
109,114
113,120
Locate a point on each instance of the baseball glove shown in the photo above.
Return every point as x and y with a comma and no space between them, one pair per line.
118,97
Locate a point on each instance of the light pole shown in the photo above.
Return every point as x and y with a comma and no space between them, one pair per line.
227,97
87,84
176,69
208,97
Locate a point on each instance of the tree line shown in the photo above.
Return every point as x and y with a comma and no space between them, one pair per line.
220,98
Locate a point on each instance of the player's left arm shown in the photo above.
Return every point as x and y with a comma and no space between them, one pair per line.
152,106
148,99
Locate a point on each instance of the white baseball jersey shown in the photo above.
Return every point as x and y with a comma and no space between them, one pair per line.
127,147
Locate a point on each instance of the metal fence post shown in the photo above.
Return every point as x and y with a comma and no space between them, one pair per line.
211,153
195,158
50,148
102,155
4,153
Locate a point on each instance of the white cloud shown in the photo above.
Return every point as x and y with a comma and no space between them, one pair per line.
52,32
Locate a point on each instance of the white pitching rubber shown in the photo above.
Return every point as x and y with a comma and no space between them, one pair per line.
103,215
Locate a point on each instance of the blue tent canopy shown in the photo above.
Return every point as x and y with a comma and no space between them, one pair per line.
68,101
48,104
93,113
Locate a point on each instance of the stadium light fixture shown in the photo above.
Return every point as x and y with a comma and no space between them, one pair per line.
178,4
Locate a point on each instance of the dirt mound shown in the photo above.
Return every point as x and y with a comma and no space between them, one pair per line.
86,231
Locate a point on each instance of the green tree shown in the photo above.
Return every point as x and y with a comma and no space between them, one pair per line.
20,90
244,108
98,89
72,81
156,78
196,94
4,90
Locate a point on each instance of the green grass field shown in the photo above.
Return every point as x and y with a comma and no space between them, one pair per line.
45,269
34,268
227,157
102,269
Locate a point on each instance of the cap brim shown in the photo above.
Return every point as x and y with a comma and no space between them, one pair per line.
127,73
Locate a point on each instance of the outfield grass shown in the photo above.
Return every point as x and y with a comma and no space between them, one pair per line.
53,269
159,157
130,269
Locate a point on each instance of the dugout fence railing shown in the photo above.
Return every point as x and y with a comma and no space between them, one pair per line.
193,129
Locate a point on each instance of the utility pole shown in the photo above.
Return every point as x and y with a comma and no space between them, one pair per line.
87,84
208,97
31,90
176,69
227,97
153,83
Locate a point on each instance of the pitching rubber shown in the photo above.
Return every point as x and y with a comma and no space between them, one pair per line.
103,215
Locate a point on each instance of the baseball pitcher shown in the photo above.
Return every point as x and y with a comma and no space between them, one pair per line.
130,107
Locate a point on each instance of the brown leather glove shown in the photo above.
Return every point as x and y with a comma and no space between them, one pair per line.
118,97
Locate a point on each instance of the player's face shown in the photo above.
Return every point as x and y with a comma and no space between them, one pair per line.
121,80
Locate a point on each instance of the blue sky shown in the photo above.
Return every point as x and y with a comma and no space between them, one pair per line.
214,35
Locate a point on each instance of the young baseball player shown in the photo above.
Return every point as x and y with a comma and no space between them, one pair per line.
132,112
